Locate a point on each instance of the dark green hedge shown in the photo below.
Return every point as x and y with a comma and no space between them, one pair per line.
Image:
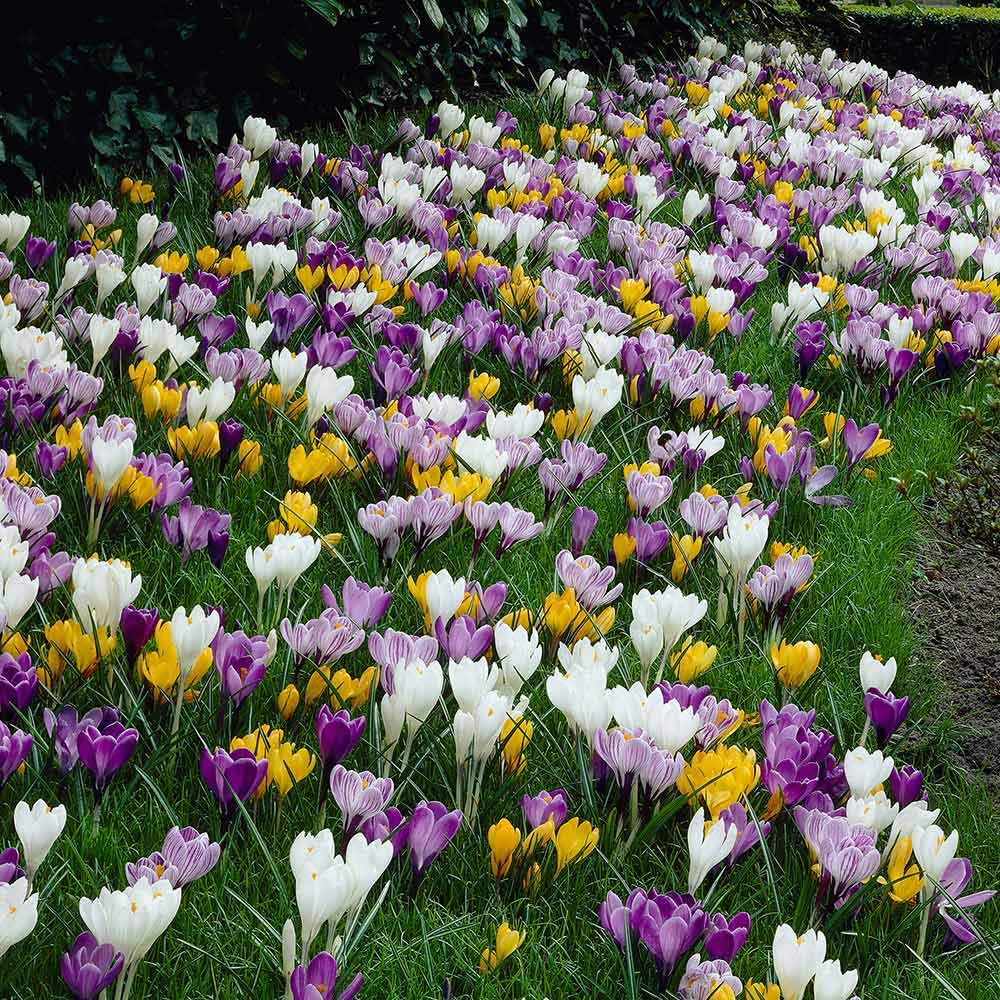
106,83
939,44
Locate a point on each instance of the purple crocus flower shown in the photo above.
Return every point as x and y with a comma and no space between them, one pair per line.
241,662
10,867
389,826
359,796
667,924
89,968
318,980
338,734
906,784
288,314
431,829
463,638
195,528
748,834
230,438
38,252
724,938
954,907
65,729
583,522
104,751
539,809
886,713
15,746
138,626
701,980
858,440
49,458
188,854
18,683
231,778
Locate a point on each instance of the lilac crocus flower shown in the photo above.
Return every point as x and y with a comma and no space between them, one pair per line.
318,980
195,528
431,829
858,440
588,578
389,826
103,752
847,853
231,778
886,713
583,522
185,857
89,968
539,809
365,605
463,638
748,834
702,980
241,662
10,867
15,746
953,907
516,526
138,626
359,796
65,729
18,683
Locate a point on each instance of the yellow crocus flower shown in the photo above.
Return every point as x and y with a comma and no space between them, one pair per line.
504,839
795,663
574,841
508,941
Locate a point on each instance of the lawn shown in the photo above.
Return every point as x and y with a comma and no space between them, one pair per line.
425,937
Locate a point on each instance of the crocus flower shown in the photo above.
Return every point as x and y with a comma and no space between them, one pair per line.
359,795
338,734
583,522
10,869
431,829
886,713
15,746
89,968
318,980
104,751
545,806
137,627
231,778
724,938
18,683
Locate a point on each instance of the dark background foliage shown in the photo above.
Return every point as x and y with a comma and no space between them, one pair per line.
120,86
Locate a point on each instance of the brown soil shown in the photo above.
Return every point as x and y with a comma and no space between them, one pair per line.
956,603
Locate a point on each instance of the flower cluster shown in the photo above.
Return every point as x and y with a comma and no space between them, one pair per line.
436,466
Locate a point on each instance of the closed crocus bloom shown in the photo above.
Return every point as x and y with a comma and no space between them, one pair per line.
109,460
574,841
192,634
432,828
102,333
693,206
934,852
18,914
89,968
831,983
875,673
796,959
289,369
503,838
795,663
323,892
707,849
508,941
866,771
38,827
442,595
367,862
517,653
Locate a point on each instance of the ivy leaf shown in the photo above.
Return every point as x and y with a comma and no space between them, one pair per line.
202,126
480,19
434,13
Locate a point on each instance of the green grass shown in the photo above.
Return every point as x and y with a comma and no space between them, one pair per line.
225,940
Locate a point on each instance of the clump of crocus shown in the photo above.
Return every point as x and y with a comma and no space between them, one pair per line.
506,942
